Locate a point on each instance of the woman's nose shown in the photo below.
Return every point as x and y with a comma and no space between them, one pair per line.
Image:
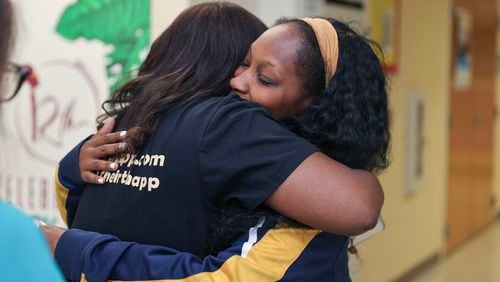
238,83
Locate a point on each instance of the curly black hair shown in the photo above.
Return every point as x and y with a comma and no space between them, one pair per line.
349,119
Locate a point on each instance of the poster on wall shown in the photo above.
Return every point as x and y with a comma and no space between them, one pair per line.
415,141
462,73
385,29
80,51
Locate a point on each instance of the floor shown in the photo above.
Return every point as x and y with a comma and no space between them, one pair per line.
477,260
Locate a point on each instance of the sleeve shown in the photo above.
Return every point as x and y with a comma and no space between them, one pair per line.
99,257
69,184
245,155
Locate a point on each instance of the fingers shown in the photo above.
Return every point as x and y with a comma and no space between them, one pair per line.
89,175
107,150
93,178
109,138
41,223
89,168
100,165
102,145
108,126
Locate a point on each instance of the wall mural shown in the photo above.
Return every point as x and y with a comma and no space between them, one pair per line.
121,24
80,51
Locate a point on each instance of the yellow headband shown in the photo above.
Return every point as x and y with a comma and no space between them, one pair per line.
328,44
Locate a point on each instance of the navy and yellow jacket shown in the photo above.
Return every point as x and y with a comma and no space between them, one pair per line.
264,253
69,184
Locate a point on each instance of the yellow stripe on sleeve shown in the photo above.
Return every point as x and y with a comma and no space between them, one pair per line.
268,260
61,196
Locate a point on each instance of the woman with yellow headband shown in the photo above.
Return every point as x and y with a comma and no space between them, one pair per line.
328,87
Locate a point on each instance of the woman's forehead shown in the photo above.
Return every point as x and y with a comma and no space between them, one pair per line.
283,32
277,43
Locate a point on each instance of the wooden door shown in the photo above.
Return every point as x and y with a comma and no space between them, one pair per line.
470,168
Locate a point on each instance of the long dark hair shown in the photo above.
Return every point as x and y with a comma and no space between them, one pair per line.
194,57
6,34
349,119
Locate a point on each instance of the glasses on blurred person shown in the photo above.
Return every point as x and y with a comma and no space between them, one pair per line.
13,79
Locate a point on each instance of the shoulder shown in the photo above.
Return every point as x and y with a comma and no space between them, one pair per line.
227,105
233,111
217,113
15,224
14,218
24,248
206,108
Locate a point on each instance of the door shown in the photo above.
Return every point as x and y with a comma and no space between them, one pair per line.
470,167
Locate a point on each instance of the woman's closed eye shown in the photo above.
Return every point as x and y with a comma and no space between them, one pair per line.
264,80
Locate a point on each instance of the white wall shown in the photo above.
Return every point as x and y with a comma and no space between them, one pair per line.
163,13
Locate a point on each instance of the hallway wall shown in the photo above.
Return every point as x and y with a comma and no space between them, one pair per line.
163,13
415,222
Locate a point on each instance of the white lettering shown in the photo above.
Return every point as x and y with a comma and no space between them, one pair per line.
112,177
128,180
118,176
144,181
131,160
147,158
124,159
153,183
107,174
135,181
157,158
139,163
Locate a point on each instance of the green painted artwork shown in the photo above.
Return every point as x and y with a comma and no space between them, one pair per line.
122,24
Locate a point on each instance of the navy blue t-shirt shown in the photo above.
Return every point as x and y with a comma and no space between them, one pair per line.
214,153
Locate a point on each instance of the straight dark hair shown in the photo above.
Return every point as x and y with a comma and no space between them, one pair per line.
194,57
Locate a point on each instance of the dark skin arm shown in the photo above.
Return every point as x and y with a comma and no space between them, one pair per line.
321,192
329,196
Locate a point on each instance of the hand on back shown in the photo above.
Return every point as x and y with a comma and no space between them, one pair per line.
95,152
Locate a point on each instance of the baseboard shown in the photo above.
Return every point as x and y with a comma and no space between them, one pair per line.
423,266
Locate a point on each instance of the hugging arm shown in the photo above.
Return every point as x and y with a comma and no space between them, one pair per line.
312,188
266,163
310,173
329,196
99,257
79,167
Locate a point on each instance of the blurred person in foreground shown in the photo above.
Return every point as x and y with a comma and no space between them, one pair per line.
24,254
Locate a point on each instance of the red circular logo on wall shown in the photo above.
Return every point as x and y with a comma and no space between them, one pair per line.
53,115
